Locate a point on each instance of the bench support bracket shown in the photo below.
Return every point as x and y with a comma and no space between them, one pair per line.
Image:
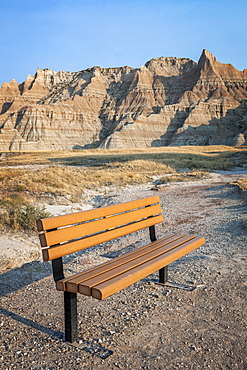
57,268
70,316
163,275
163,272
152,233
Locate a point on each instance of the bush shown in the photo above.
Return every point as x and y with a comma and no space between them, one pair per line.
18,213
29,215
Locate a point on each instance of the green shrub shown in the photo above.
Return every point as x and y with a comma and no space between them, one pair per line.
17,213
29,215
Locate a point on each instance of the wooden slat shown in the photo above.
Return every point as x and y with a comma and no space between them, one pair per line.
79,231
81,276
74,218
71,284
119,282
86,286
64,249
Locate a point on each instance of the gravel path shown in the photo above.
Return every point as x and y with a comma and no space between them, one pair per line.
146,326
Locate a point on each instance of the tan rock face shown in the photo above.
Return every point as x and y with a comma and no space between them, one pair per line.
169,101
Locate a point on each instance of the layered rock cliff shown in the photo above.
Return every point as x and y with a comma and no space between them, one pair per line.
168,101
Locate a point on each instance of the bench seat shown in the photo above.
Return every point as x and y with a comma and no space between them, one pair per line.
106,279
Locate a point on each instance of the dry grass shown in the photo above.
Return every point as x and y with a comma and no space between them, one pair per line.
200,157
242,184
182,177
66,180
29,176
69,173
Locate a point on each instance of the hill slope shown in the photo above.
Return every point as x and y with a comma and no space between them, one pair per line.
168,101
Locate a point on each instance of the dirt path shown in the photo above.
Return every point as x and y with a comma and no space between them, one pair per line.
147,326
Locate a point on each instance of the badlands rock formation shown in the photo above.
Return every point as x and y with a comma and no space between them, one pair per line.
168,101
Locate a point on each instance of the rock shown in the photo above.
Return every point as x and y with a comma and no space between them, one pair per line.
168,101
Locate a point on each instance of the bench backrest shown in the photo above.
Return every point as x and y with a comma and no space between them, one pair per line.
62,235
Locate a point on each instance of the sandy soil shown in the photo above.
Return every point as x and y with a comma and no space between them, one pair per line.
145,326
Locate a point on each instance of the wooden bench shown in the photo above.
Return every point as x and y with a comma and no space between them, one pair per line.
63,235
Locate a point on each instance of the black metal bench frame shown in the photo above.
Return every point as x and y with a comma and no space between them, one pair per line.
70,299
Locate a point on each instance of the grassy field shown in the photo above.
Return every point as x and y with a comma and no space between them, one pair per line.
26,177
70,172
206,157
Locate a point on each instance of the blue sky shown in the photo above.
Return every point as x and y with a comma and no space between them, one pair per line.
73,35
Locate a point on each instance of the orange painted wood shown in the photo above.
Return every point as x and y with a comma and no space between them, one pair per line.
86,286
96,226
71,284
109,287
64,249
80,277
74,218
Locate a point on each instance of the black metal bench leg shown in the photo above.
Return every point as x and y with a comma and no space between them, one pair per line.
70,315
163,275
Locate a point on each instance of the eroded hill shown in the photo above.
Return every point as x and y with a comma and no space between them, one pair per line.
168,101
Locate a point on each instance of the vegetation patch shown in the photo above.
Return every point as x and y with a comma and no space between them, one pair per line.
192,157
183,177
16,212
27,177
241,183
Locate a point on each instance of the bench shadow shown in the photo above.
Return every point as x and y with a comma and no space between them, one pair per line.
88,346
32,324
20,277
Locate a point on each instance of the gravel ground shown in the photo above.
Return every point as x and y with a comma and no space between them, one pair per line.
145,326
